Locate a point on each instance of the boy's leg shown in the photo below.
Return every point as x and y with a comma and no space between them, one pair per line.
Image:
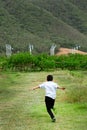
49,105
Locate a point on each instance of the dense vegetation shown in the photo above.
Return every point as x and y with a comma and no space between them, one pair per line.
43,23
27,62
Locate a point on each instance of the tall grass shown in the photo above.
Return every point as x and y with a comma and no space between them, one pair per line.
77,87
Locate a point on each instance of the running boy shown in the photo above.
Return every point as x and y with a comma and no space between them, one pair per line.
50,89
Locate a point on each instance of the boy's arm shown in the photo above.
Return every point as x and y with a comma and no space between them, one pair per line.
61,88
35,87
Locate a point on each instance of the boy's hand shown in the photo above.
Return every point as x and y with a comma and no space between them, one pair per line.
63,88
35,88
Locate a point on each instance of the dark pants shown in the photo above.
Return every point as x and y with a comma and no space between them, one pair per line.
49,105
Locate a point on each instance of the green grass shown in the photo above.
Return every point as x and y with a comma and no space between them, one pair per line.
23,109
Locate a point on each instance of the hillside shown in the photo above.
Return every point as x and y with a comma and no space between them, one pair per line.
71,12
43,23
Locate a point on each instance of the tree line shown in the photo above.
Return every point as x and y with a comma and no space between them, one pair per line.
42,62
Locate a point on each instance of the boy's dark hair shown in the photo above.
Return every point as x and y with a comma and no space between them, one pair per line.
49,78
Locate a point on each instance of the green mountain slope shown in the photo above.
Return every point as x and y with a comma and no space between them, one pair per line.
67,11
82,4
42,23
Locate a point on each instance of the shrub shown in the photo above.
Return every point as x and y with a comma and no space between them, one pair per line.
25,61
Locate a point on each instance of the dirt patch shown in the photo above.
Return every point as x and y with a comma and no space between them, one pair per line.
3,76
65,51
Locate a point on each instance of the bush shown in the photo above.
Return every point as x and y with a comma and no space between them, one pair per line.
25,61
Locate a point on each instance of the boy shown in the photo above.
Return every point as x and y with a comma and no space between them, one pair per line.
50,89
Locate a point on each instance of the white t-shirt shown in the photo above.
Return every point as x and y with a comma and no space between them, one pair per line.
50,88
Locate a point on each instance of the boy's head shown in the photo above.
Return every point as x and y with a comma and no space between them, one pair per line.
49,78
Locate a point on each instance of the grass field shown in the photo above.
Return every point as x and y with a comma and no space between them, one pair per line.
23,109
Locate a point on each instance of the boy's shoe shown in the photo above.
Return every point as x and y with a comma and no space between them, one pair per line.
54,119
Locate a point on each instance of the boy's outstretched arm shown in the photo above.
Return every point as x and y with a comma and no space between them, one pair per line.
35,87
61,88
